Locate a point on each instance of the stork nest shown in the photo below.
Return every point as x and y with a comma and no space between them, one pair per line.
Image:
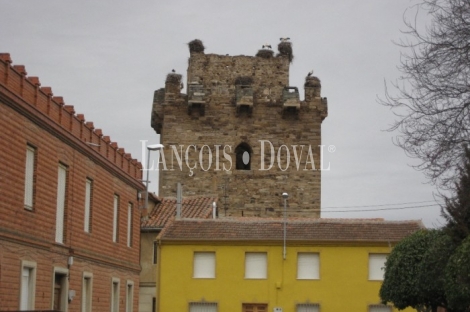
285,48
265,53
173,78
196,46
244,81
312,81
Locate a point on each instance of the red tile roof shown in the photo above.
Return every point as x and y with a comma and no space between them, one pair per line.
298,229
191,207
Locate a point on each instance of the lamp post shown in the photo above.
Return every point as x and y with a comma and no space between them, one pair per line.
153,147
285,196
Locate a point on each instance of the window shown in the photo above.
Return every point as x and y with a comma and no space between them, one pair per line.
130,212
130,296
308,307
204,265
202,307
116,219
59,298
243,156
308,265
256,265
255,307
86,291
155,252
376,265
61,204
28,285
29,177
88,204
115,295
154,304
380,308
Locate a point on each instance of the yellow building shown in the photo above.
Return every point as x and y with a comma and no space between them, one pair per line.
241,264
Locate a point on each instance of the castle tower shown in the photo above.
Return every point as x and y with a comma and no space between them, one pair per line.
234,131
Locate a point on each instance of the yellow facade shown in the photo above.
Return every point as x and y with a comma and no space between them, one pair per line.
343,283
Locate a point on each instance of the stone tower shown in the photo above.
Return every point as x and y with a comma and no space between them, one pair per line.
234,131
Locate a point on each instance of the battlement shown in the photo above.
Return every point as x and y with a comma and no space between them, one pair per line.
41,100
233,105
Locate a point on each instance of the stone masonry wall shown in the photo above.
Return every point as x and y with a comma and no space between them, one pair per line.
220,129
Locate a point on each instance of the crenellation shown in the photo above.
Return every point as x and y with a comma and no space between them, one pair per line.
233,115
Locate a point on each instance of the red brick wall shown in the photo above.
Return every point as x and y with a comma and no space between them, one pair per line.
29,115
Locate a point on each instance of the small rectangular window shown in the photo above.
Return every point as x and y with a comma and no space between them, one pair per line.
28,285
308,265
86,292
155,252
380,308
376,266
204,265
88,205
116,218
130,296
29,177
115,295
202,307
61,204
256,265
308,307
130,212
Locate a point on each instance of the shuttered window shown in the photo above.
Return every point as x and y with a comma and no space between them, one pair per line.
380,308
204,265
116,218
308,265
376,265
203,307
61,188
256,265
29,177
88,197
129,224
308,307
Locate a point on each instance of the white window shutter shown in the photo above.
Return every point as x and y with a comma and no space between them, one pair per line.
308,266
87,205
380,308
256,265
61,184
29,177
204,265
308,307
25,289
202,307
376,265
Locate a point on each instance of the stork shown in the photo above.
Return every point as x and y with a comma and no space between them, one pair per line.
310,73
267,46
284,39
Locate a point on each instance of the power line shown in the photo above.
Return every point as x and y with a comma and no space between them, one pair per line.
379,209
381,205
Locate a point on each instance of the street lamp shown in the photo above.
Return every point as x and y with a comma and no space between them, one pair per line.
153,147
285,196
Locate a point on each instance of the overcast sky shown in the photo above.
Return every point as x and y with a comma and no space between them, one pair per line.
107,57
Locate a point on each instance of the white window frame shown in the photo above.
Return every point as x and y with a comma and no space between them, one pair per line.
380,308
115,218
64,300
30,163
115,296
129,297
307,307
376,259
130,219
308,266
204,264
30,287
203,307
88,204
87,294
254,259
61,203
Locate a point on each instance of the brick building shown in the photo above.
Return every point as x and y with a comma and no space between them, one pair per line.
242,132
69,226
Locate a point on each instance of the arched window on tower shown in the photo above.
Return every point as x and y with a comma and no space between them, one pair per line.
243,155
